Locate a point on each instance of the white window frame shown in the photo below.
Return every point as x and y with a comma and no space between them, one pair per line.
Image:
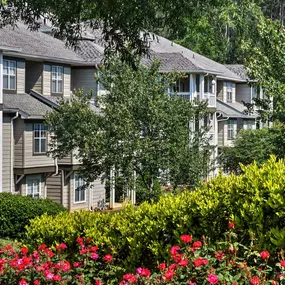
77,176
42,136
230,123
229,92
9,73
57,74
35,181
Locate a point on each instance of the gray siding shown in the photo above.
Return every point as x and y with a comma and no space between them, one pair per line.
31,160
53,184
244,93
99,192
47,80
6,153
84,79
221,133
67,82
21,77
65,160
34,71
19,142
220,89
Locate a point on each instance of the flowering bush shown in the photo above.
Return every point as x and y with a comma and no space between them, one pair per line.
197,262
50,266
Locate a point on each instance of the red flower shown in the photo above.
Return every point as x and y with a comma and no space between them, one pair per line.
183,262
200,261
65,266
24,250
23,282
169,274
231,225
79,240
108,258
94,255
76,264
255,280
186,238
37,282
94,248
61,246
42,247
173,250
97,282
143,272
213,279
219,255
161,266
282,263
264,254
197,244
56,278
130,277
172,266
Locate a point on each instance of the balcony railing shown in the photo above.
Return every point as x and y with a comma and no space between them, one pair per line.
207,96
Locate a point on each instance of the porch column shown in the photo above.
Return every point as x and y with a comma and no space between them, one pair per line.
192,87
1,120
201,87
112,188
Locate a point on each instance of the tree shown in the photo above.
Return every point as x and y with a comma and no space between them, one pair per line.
140,127
253,145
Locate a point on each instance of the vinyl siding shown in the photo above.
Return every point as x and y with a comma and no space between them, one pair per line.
98,192
47,80
32,160
75,160
84,79
19,127
6,154
233,91
34,72
21,77
67,82
65,160
53,184
221,133
220,86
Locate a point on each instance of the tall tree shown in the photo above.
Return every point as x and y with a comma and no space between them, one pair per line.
140,127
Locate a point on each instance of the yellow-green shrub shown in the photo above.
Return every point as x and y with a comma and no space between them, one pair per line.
142,235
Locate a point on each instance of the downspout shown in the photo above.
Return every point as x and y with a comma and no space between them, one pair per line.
12,152
1,120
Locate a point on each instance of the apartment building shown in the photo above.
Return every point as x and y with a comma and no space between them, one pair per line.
35,70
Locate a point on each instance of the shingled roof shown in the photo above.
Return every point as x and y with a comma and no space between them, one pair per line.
238,69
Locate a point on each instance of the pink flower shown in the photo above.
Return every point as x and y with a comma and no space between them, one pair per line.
264,254
197,244
282,263
174,249
130,277
231,225
183,262
144,272
255,280
186,238
200,261
56,278
48,275
219,255
108,258
94,255
169,274
65,266
61,246
161,266
23,282
76,264
213,279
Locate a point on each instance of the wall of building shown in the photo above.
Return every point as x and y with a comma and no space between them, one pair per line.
54,189
245,93
6,154
21,73
34,71
19,128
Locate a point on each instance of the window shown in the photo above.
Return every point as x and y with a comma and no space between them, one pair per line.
229,92
79,189
57,79
9,74
33,187
230,129
198,82
39,138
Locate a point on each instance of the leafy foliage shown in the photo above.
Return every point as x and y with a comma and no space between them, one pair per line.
16,212
253,145
139,128
141,236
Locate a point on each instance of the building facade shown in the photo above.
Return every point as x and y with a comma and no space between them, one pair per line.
36,69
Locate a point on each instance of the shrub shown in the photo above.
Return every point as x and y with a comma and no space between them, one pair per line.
16,212
140,236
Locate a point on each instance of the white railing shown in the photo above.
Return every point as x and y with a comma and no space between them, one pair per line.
207,96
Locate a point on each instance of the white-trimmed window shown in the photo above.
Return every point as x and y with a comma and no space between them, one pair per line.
229,92
230,129
40,138
79,189
57,79
9,74
33,187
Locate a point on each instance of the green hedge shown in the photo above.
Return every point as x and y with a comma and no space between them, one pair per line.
16,211
140,236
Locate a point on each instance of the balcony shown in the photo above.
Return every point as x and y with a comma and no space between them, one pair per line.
207,96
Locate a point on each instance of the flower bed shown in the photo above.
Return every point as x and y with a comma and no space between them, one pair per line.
191,262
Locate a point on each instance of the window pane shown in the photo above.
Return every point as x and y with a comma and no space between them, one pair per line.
43,145
5,67
59,86
37,145
60,72
12,82
5,81
53,86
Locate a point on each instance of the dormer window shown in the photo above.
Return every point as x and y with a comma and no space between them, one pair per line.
9,74
57,79
229,92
